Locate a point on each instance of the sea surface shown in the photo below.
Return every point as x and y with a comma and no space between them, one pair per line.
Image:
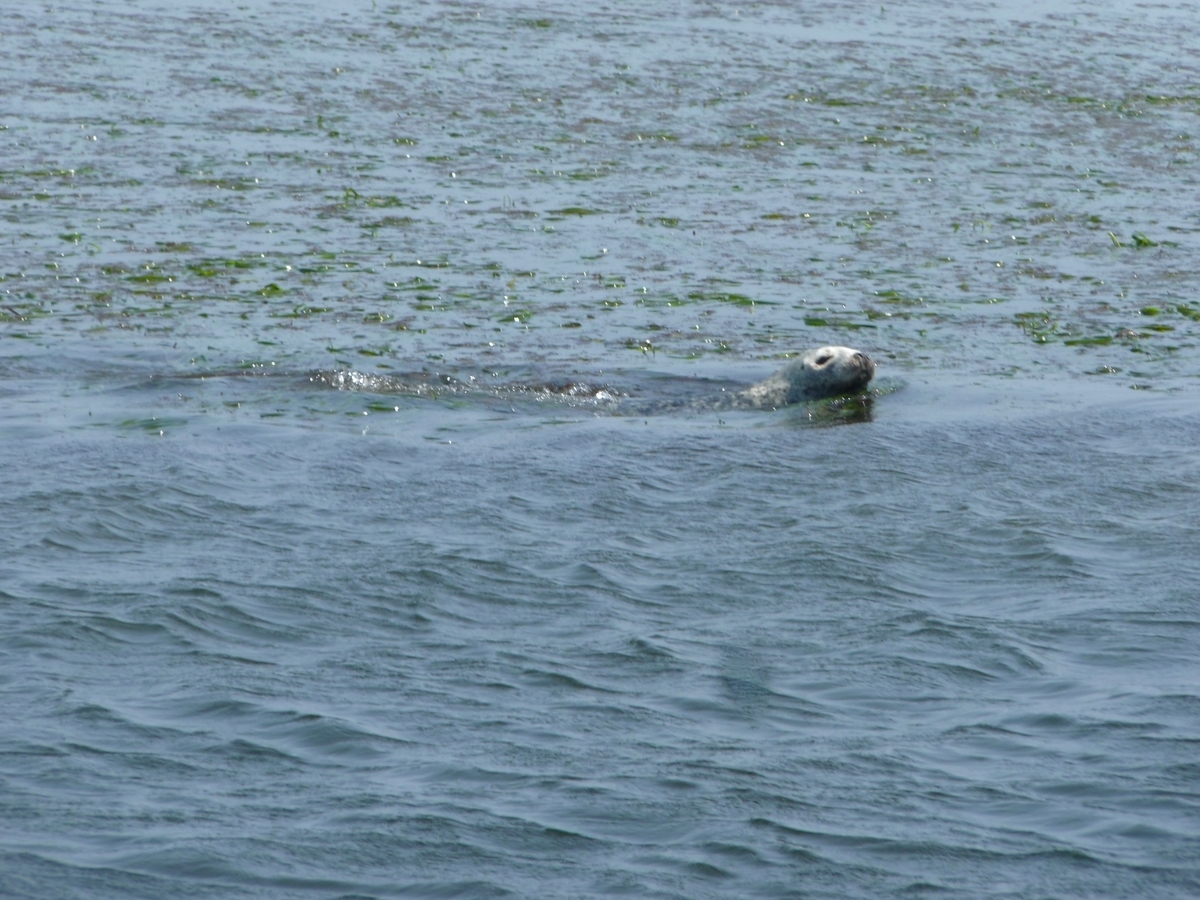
366,529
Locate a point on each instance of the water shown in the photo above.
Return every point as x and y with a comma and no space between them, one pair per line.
265,638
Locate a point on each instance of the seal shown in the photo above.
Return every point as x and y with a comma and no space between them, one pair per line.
817,374
826,372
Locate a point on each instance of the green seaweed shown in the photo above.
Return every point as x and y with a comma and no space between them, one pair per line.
760,140
390,222
521,316
243,183
1041,326
303,311
153,425
899,297
805,97
818,322
587,174
1163,99
727,297
52,173
385,202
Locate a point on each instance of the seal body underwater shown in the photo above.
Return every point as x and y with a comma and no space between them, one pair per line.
817,374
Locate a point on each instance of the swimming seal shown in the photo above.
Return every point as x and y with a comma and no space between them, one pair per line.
817,374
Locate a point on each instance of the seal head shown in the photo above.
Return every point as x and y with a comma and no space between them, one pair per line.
817,374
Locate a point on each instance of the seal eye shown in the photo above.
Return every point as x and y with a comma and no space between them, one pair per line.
823,358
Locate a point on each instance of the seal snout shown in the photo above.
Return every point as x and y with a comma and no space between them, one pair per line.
865,367
865,363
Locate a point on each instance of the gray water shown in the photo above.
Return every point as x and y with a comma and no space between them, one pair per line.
363,537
